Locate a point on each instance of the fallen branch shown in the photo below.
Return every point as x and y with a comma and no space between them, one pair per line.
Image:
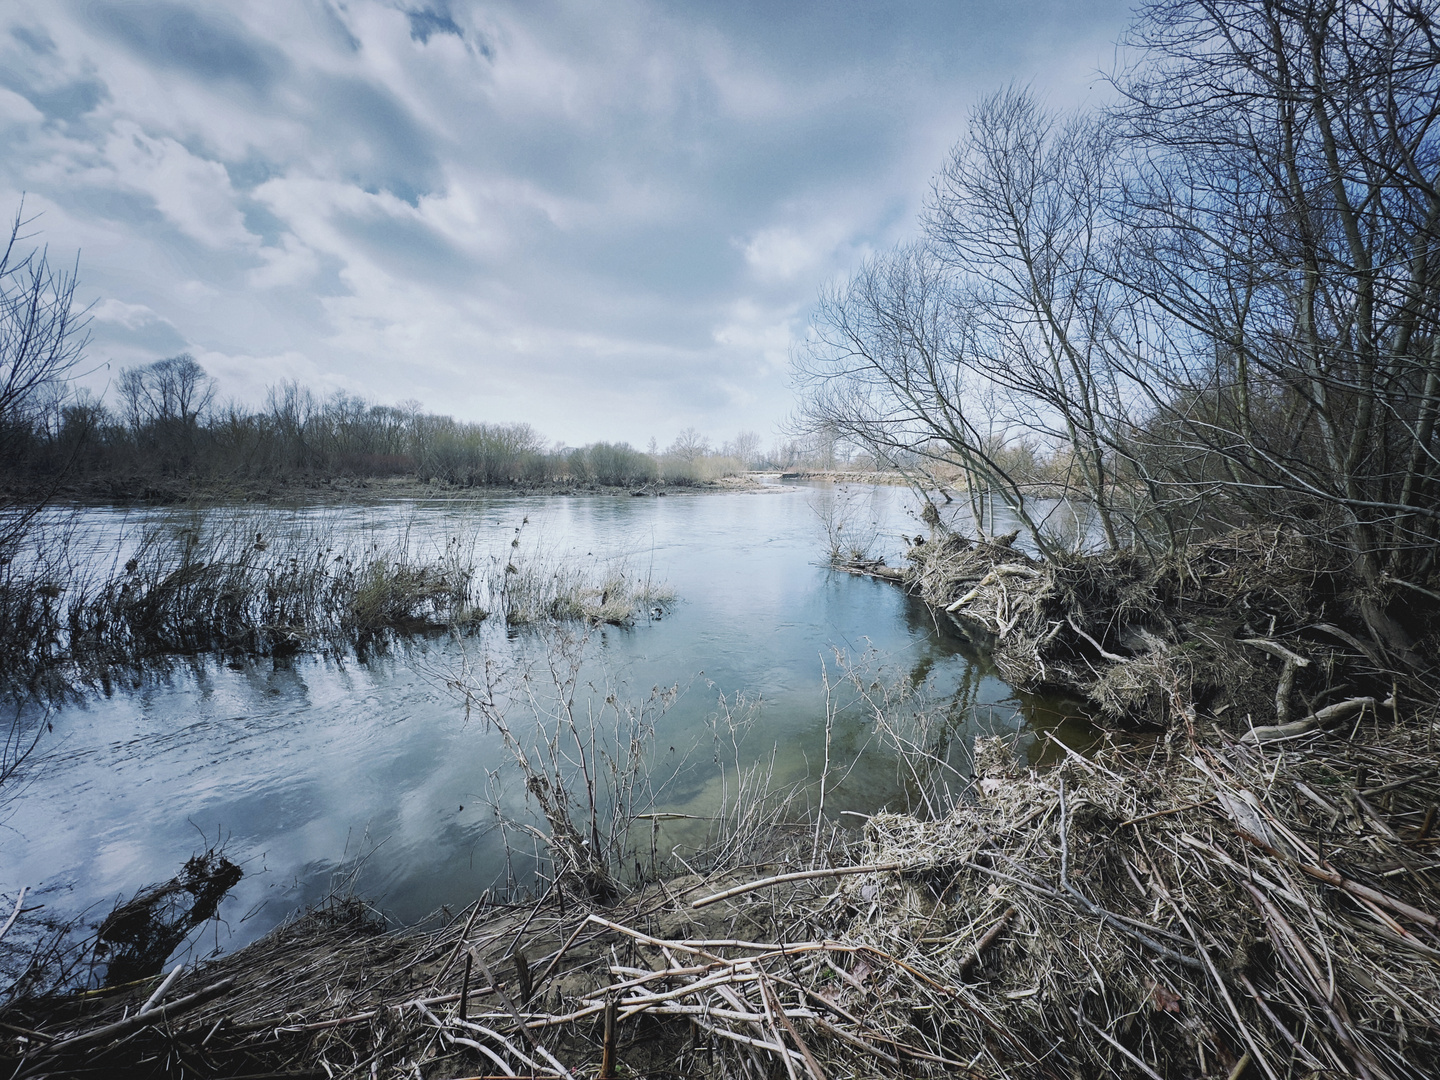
1328,717
1293,662
1105,653
1330,877
996,572
141,1020
798,875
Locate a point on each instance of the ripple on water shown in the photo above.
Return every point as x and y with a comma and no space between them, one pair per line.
310,765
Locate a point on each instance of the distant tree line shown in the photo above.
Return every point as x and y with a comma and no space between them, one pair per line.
161,428
166,423
1212,303
163,422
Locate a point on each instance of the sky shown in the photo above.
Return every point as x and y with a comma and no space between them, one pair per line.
606,220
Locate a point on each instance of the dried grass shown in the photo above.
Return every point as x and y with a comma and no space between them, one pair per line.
218,586
1196,911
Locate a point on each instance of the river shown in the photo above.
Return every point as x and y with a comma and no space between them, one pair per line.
318,773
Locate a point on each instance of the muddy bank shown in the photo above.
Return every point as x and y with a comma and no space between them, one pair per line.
846,476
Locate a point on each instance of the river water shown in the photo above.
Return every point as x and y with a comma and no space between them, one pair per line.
317,773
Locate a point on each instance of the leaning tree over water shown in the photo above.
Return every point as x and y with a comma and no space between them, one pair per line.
1215,300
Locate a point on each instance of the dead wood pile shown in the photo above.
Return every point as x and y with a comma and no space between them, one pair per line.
1255,628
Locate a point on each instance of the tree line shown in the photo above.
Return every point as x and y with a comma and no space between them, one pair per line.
165,423
1211,302
162,421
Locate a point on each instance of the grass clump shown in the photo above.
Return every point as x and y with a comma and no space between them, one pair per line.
220,586
191,591
548,586
400,593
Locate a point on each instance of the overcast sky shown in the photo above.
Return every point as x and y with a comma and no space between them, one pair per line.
608,220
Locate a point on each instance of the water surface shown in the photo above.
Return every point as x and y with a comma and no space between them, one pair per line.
325,772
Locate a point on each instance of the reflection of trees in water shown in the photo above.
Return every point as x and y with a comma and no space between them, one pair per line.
930,733
1062,719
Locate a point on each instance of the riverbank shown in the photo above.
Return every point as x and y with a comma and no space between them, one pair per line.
1264,632
1240,896
1216,908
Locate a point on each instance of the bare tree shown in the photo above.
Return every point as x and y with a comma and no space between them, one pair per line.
890,366
1019,212
689,446
997,332
1282,214
171,392
42,339
745,448
1216,302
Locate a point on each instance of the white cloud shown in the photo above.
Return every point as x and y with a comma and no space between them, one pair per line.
192,192
783,253
577,216
130,316
289,264
757,331
16,111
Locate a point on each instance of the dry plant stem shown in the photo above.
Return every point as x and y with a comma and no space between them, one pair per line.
1330,877
161,990
985,942
460,942
545,975
825,769
520,1024
1127,1054
1295,1044
1291,948
859,1043
1099,912
816,1072
798,875
19,900
1292,662
1219,983
607,1059
465,987
769,1016
1105,654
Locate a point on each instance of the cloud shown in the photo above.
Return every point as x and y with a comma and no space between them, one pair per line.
607,221
180,37
120,313
192,192
288,264
132,330
374,142
782,253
